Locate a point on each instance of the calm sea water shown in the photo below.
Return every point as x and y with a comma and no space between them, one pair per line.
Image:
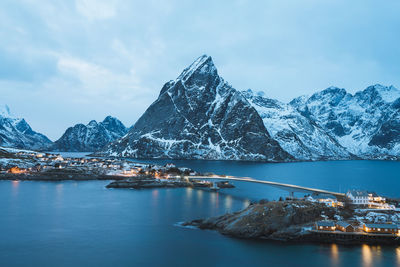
84,224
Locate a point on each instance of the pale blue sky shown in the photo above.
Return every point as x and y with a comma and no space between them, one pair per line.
65,62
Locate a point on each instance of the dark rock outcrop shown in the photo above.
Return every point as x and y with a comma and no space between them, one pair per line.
272,220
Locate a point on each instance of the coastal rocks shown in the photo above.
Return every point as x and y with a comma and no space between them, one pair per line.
271,220
151,182
148,182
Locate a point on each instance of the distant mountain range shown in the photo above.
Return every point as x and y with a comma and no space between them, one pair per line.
200,116
91,137
16,132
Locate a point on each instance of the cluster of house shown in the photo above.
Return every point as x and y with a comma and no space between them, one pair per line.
37,162
370,228
357,198
330,202
368,200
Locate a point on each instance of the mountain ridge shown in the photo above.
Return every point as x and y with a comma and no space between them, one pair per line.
199,116
90,137
17,133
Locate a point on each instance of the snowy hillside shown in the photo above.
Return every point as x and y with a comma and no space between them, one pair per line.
297,134
366,123
16,132
90,137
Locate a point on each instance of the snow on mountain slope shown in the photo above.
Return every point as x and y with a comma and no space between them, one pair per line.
16,132
297,134
90,137
365,123
199,116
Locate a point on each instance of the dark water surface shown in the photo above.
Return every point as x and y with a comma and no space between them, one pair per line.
84,224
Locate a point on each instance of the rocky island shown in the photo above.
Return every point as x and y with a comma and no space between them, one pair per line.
300,221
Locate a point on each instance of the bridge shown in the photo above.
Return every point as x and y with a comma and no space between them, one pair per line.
288,187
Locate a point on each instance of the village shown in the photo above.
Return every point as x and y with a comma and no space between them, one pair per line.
373,219
29,165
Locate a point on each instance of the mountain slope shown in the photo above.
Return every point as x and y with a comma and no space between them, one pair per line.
90,137
199,116
297,134
366,123
16,132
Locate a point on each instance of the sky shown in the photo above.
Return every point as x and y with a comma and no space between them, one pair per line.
68,62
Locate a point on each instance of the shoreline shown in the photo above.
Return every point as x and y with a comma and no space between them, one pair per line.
289,222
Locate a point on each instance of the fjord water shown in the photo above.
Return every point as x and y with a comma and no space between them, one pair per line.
83,223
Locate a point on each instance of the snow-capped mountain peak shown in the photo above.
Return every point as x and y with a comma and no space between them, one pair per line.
90,137
199,116
297,134
5,111
202,65
16,132
387,93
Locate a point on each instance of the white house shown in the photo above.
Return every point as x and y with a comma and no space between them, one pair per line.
370,199
358,197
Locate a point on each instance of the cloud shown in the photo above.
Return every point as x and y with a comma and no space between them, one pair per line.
91,82
96,9
85,59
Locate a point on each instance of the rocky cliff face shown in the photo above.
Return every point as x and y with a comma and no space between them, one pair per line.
16,132
199,116
90,137
367,123
299,135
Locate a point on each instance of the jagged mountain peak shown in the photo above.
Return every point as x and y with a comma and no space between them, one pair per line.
203,64
110,118
199,116
90,137
16,132
330,92
387,93
5,111
251,93
92,123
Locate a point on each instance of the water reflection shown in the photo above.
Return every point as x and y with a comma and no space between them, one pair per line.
246,203
154,195
189,192
398,255
59,190
366,255
335,255
200,195
15,185
228,202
